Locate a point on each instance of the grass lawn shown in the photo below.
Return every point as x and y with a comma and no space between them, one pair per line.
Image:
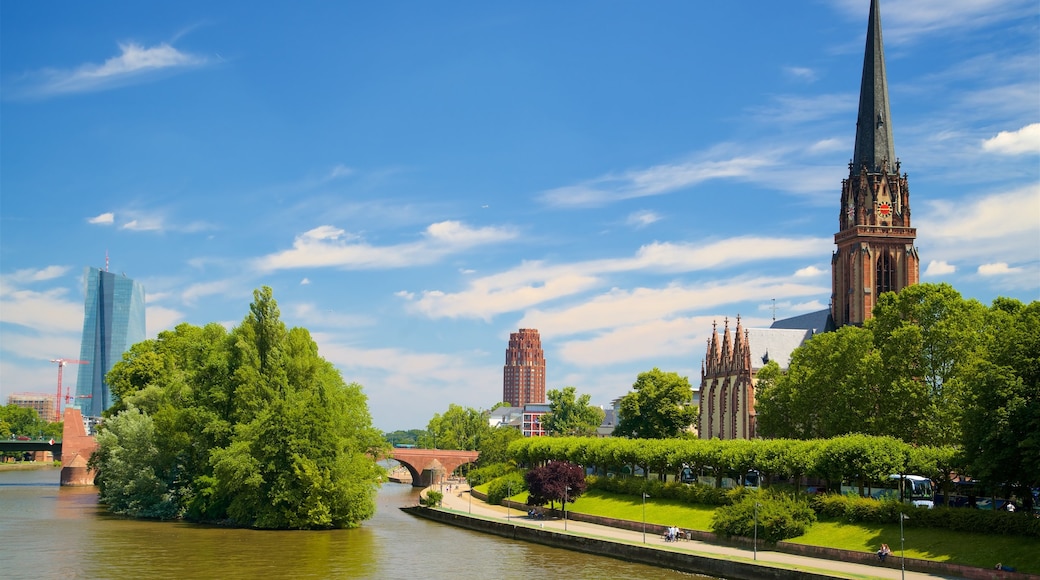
980,550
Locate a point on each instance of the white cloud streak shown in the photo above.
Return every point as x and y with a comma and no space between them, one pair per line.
1024,140
327,246
133,63
534,283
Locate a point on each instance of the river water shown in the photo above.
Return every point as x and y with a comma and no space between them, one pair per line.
48,531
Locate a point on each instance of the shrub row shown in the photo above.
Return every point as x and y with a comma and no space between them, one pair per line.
855,509
485,474
692,494
502,487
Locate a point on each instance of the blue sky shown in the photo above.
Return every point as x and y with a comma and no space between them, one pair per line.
417,180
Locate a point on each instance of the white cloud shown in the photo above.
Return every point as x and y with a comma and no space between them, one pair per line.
642,218
202,289
132,64
656,180
144,224
1025,140
159,318
809,272
791,109
48,311
618,308
309,315
979,227
33,275
997,269
533,283
800,73
105,219
910,19
305,282
939,268
328,246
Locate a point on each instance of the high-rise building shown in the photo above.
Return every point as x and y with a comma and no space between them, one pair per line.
113,320
875,252
523,377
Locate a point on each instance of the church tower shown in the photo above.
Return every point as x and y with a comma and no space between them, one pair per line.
875,243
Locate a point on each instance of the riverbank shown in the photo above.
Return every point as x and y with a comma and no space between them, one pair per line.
25,466
626,540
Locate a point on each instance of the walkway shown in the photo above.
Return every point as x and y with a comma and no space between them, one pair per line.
459,500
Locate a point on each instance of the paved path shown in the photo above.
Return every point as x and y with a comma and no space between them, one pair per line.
459,500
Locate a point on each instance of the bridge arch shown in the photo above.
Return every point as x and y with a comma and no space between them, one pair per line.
430,466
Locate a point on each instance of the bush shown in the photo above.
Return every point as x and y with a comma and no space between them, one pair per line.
780,517
501,487
854,509
689,493
485,474
434,498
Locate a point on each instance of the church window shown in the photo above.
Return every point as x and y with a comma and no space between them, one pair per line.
885,279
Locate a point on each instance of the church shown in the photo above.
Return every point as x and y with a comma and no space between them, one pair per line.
875,254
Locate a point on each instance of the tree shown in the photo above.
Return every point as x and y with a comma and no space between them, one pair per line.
1001,416
556,481
252,427
927,333
458,428
131,479
15,420
570,415
657,408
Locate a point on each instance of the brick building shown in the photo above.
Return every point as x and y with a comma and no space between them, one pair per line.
523,377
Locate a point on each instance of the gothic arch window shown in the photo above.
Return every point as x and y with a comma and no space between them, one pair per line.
886,274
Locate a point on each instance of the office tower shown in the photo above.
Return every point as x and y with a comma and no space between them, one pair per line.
523,377
113,320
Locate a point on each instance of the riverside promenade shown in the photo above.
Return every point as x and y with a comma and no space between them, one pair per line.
460,503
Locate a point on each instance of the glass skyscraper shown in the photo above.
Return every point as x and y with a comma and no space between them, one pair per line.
113,320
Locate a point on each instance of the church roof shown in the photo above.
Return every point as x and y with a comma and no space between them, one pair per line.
768,344
874,142
819,321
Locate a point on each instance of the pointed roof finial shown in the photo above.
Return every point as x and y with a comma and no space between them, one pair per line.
874,144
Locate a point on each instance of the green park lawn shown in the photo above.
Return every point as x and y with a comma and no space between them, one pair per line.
979,550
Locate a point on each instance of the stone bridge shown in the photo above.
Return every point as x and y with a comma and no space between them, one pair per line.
431,466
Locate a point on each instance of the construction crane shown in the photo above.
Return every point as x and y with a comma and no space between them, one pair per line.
61,366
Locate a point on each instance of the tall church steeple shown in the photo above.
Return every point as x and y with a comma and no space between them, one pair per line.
874,143
875,242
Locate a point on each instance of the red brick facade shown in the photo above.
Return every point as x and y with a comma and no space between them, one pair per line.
523,376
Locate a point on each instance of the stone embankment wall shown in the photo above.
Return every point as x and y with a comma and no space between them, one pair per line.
912,564
633,553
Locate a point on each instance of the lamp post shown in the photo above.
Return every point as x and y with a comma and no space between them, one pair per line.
756,529
566,490
644,516
509,492
471,500
902,546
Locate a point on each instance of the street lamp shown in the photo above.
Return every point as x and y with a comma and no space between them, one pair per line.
902,546
509,494
565,491
756,529
644,516
471,500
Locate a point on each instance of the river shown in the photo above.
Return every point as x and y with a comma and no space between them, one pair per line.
48,531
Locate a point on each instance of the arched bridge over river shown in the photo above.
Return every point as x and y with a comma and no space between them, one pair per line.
431,466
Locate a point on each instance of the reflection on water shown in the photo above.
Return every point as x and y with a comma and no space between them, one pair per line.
47,531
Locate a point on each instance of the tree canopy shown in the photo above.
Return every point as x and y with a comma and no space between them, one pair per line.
556,481
251,427
468,429
570,415
658,407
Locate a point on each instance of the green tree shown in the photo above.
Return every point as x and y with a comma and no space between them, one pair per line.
251,426
458,428
130,475
927,332
659,407
15,420
570,415
1001,416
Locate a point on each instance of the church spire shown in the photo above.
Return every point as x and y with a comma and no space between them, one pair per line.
874,143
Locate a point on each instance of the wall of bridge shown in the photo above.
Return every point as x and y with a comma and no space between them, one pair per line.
432,466
76,448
